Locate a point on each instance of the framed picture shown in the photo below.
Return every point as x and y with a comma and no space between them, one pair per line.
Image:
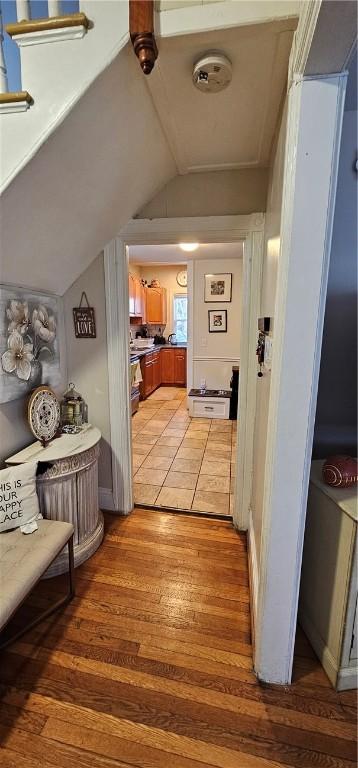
217,320
30,330
218,288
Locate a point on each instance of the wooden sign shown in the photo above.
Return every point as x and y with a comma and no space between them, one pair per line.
84,320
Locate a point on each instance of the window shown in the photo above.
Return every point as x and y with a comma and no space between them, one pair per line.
180,317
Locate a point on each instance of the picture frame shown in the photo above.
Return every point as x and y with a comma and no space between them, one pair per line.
31,342
218,288
217,320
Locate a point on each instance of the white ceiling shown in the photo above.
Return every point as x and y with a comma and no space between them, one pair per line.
173,254
234,128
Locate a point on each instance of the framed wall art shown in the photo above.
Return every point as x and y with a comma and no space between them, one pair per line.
29,342
217,320
218,288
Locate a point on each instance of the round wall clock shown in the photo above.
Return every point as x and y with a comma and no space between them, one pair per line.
44,414
182,278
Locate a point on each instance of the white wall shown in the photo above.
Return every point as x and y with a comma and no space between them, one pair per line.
87,359
214,354
215,193
85,182
56,75
268,293
336,415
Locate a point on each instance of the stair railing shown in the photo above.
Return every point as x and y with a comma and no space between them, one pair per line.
26,30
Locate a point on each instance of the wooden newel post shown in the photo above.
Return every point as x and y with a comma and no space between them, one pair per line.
141,29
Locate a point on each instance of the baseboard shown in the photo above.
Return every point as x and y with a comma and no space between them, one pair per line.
347,679
253,575
319,646
105,498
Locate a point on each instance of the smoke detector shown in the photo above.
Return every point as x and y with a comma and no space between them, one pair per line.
212,73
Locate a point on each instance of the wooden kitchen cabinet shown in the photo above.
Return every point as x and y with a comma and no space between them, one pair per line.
179,367
131,293
136,299
162,366
156,306
168,366
139,300
157,369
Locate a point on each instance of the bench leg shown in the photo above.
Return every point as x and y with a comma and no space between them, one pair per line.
49,611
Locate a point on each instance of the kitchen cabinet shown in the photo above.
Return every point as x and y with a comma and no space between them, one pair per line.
136,299
157,369
162,366
156,306
168,366
151,372
139,299
179,367
131,293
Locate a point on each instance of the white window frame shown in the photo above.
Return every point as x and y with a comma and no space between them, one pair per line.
180,296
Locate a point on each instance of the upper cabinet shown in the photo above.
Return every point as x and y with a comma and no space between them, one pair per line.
156,306
136,293
146,305
131,292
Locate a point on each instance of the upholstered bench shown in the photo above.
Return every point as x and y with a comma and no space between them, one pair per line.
23,560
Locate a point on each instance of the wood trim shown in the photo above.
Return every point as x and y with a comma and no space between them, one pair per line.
141,30
13,97
42,25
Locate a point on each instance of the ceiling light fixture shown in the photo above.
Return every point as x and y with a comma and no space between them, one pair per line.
188,247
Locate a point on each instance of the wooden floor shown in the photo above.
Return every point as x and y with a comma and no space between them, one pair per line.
150,665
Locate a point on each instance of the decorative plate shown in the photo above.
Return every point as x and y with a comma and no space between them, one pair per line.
44,414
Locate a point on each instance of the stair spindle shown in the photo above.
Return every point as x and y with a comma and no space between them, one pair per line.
3,73
54,8
23,10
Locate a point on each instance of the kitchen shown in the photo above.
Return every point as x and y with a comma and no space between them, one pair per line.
184,432
158,328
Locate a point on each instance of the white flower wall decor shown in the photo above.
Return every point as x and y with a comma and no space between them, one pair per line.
29,345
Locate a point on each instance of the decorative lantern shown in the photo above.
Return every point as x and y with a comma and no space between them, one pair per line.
74,410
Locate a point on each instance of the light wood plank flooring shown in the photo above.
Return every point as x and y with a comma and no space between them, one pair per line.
150,665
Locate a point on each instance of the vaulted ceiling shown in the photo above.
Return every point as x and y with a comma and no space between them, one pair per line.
233,128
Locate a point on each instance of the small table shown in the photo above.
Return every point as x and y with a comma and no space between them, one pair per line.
68,489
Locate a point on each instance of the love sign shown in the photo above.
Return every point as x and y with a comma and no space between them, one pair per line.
84,320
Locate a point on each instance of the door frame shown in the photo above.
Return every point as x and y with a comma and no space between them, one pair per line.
211,229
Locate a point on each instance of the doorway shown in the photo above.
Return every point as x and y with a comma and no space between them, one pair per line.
184,447
246,230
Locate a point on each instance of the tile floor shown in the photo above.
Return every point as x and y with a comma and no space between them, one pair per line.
181,462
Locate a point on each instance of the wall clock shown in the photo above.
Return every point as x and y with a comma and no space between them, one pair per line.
44,414
182,278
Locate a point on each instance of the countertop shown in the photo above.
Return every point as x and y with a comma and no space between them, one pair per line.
137,354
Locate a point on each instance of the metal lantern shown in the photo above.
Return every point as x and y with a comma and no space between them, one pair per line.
73,408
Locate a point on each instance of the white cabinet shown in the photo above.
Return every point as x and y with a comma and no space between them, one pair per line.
328,597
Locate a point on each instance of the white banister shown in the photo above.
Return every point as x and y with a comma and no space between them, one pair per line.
3,73
54,8
23,10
